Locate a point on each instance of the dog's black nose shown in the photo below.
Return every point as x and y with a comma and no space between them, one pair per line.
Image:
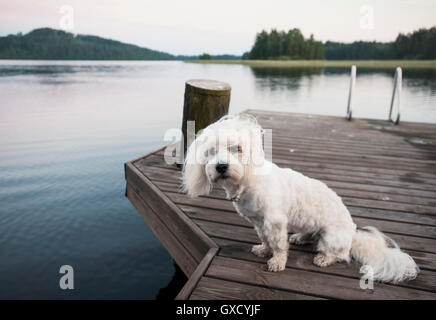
222,167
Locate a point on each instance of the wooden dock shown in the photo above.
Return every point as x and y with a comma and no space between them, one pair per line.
385,174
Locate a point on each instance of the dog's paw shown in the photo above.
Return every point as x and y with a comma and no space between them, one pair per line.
323,260
299,239
276,264
260,250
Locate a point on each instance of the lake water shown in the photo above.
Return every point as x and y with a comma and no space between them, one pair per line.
66,128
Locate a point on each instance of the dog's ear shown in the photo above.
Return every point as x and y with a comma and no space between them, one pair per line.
195,181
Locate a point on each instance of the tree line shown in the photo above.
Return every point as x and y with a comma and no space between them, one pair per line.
46,43
282,45
51,44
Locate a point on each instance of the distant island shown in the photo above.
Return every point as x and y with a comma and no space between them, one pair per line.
51,44
291,45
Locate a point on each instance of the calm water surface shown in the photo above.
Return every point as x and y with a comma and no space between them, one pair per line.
66,128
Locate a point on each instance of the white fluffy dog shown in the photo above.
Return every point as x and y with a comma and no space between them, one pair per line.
276,200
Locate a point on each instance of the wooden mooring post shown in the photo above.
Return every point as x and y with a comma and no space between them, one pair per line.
205,102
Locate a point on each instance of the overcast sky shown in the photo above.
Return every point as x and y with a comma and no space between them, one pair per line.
220,26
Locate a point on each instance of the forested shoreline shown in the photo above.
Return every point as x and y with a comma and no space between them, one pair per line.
46,43
291,45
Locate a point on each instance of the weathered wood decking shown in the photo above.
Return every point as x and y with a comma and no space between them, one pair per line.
385,174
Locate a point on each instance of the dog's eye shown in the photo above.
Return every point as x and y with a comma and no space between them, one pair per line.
235,149
210,152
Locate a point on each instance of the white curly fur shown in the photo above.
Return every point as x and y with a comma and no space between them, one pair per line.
278,200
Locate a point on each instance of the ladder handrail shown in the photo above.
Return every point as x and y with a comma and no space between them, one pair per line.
397,91
350,92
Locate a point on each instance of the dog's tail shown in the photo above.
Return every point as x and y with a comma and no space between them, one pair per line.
383,259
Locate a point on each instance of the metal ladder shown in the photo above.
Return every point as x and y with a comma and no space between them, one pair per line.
396,94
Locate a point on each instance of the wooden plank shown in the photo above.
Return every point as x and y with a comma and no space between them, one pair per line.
351,133
360,190
424,205
227,217
192,282
361,161
348,135
176,221
377,204
352,171
217,289
300,143
419,194
218,194
389,215
307,282
380,160
367,127
303,260
400,145
286,116
380,214
307,162
408,181
378,137
218,204
178,251
248,235
368,203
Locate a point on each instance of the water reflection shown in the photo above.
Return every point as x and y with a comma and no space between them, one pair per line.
270,78
413,78
324,91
